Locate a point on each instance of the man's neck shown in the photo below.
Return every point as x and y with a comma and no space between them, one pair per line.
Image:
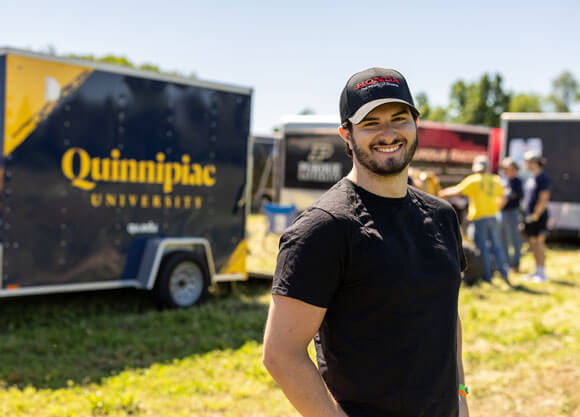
392,186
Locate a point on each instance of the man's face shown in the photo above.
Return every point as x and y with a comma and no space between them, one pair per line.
532,166
510,172
385,141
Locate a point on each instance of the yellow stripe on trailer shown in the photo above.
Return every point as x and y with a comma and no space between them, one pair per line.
33,89
237,262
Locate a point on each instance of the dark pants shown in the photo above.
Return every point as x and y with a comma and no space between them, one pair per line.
487,233
510,221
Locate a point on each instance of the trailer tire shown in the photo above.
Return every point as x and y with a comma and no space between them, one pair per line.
182,281
474,271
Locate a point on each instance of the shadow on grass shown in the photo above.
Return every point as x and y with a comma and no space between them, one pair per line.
523,288
565,283
51,341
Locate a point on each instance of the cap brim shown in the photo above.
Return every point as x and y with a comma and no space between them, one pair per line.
366,108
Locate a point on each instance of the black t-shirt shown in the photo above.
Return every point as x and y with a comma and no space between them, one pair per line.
534,185
388,271
515,192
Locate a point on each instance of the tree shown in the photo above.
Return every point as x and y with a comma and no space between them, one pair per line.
422,103
524,103
481,102
121,60
437,114
565,92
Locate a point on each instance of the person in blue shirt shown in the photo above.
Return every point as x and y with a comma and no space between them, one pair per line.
510,212
537,195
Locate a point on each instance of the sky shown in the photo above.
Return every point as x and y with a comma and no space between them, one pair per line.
299,54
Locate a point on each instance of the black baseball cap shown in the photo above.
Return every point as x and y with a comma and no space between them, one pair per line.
368,89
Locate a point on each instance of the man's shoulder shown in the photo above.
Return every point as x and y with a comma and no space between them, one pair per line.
470,179
429,200
337,201
325,214
544,177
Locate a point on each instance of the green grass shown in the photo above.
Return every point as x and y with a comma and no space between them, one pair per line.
114,354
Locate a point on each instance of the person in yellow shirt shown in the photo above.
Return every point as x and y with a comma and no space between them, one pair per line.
483,190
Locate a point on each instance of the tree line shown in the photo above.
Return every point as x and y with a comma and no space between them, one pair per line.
482,102
479,102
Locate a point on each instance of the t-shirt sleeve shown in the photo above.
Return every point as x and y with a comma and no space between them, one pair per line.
498,187
459,239
543,183
310,261
466,186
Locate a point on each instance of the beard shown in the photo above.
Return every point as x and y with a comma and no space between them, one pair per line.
391,166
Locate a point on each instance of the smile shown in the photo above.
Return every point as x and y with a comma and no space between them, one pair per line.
388,149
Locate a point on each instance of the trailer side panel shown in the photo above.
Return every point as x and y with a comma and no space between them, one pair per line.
98,162
558,141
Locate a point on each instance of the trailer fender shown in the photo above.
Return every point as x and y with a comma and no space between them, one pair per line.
157,248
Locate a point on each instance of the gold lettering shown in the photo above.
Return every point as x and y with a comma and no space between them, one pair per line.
177,201
172,176
186,201
146,172
90,170
197,202
156,201
208,171
160,157
133,200
185,159
100,169
196,177
168,201
128,171
96,199
110,200
144,201
115,154
122,200
78,180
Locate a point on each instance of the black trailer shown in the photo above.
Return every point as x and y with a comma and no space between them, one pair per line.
264,159
313,155
114,177
312,159
556,136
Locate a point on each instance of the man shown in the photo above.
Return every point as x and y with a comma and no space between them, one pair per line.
372,272
510,212
484,191
537,192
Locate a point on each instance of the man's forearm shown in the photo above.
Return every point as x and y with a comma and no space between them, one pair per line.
463,409
303,386
541,205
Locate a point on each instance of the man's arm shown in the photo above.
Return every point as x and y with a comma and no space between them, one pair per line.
450,192
290,327
463,410
459,189
543,198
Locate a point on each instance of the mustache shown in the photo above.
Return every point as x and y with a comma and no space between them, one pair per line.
384,143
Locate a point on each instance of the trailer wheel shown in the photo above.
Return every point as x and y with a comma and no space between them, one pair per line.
183,280
474,271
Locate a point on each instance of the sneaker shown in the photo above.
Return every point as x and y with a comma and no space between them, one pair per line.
538,279
529,277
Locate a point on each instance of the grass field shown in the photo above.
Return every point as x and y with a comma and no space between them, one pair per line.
114,354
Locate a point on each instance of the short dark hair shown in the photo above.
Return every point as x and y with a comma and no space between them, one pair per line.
348,126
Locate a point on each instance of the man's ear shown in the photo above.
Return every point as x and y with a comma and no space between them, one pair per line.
346,136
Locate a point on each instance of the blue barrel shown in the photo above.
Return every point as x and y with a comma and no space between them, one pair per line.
279,216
